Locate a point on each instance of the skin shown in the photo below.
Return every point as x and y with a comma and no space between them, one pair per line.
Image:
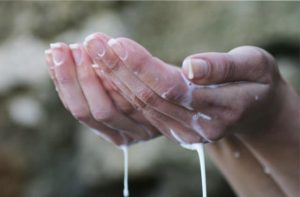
238,100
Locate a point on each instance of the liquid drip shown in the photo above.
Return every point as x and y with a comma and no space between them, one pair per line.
200,150
125,153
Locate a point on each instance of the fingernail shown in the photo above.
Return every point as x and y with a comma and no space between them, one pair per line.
95,46
197,68
57,54
77,53
118,48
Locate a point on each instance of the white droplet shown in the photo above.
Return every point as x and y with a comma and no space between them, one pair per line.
256,98
237,154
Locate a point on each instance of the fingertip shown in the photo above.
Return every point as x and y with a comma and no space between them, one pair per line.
89,38
95,46
117,46
58,51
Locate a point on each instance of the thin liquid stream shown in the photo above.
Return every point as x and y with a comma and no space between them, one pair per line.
125,153
200,150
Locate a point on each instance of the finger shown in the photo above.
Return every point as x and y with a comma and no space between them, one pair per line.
50,65
100,105
240,64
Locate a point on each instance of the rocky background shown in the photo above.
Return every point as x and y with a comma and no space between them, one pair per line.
44,152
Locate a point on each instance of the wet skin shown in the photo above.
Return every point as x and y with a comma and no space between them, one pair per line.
118,88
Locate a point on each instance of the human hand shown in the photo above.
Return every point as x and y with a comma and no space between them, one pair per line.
226,92
93,100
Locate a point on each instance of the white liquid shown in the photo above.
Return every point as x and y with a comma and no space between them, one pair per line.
125,153
200,150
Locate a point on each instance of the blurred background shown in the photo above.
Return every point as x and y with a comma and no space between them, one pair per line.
44,152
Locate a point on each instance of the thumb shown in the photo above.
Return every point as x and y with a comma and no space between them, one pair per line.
245,63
